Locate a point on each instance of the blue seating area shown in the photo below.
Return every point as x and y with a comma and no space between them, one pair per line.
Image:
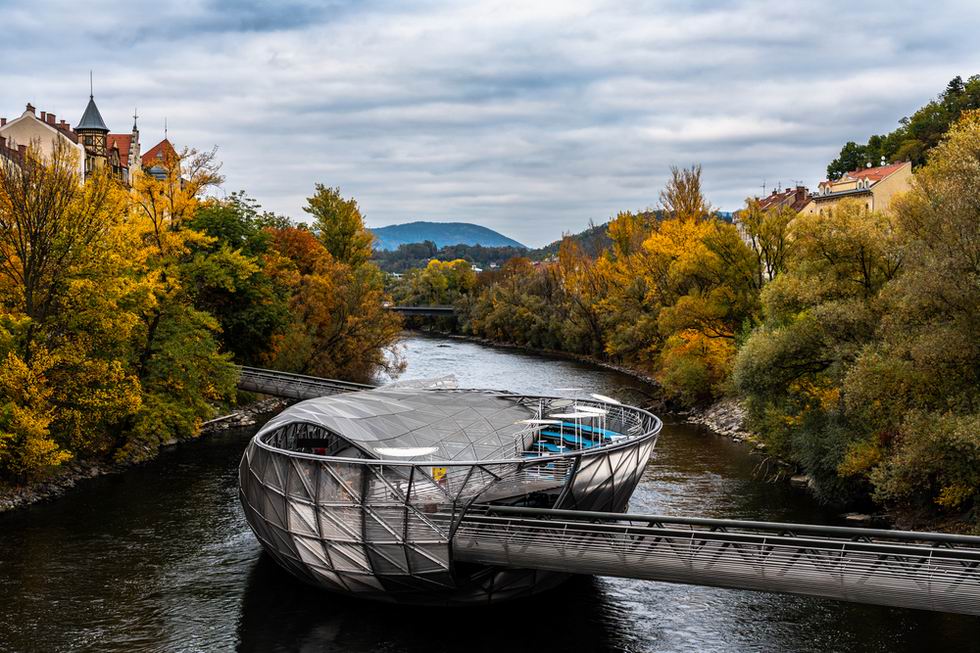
576,442
567,436
549,447
606,433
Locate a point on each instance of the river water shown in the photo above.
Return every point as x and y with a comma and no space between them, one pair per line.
159,558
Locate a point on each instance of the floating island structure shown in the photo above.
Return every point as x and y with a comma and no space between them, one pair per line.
362,492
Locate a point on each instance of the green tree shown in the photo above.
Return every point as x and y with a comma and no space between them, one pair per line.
338,224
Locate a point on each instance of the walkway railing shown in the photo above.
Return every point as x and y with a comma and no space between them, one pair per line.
930,571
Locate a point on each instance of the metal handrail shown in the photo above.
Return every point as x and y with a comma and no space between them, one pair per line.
544,514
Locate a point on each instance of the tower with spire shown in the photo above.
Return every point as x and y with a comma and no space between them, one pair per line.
93,133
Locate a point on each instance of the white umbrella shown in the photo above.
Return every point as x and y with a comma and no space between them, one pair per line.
608,400
598,411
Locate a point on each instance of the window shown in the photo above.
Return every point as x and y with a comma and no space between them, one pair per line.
88,140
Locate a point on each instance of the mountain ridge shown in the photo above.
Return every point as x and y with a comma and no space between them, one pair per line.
440,233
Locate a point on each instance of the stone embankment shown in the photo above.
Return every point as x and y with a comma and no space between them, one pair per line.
726,417
77,471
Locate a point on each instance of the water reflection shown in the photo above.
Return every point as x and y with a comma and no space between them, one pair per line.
339,624
160,559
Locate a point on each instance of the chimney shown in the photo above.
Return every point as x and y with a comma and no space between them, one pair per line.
50,118
3,121
44,117
30,107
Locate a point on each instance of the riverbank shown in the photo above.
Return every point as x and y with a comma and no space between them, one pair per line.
75,472
723,418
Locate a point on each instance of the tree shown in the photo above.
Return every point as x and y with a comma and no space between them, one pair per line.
177,353
65,314
767,232
917,391
338,224
234,277
339,327
48,221
682,197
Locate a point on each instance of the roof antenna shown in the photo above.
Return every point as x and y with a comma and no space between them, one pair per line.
135,116
91,86
164,128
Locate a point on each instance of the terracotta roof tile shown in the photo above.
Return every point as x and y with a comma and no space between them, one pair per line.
875,174
158,154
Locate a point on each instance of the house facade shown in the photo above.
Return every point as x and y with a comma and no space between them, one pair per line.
42,131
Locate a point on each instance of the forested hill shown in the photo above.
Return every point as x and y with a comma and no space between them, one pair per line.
593,240
441,234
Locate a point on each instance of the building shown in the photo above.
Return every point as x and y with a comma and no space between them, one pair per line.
158,158
873,187
120,153
91,140
44,132
794,198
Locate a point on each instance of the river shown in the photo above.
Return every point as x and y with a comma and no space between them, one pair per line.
159,558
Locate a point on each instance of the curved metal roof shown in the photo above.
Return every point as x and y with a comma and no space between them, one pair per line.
91,119
423,424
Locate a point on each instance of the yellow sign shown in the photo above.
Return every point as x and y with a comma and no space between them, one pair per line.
439,474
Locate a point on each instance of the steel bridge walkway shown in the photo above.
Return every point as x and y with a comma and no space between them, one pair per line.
433,311
930,571
293,386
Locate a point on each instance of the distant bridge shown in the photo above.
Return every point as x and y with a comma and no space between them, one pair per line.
436,310
928,571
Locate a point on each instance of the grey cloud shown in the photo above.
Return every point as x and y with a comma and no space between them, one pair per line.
529,117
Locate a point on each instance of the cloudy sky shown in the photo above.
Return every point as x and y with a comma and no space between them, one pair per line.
529,117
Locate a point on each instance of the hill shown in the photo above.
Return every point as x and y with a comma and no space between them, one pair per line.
440,233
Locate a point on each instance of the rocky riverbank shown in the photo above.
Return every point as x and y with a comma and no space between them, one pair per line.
77,471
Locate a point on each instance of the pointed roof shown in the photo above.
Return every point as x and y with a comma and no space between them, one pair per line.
91,119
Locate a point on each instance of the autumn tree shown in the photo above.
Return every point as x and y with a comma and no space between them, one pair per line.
682,197
916,391
818,317
177,351
338,326
338,224
65,312
767,232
